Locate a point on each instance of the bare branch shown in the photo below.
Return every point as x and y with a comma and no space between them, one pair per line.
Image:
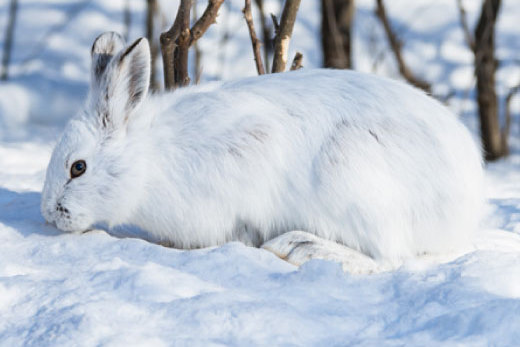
198,53
464,24
127,19
297,61
283,37
224,40
276,25
176,42
266,33
168,46
495,145
395,44
8,40
151,16
254,40
507,126
336,22
208,17
180,55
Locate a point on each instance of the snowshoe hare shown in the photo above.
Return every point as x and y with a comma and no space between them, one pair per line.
366,167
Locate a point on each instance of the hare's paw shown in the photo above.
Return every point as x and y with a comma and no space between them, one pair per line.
297,247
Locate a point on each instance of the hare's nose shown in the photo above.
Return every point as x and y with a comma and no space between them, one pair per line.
60,208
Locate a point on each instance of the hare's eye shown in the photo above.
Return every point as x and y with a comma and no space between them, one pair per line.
78,168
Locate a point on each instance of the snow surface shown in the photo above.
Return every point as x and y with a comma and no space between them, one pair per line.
98,289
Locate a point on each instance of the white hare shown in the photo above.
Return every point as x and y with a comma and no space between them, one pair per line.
373,165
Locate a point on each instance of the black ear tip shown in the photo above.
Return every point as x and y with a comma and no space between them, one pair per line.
107,43
104,48
132,46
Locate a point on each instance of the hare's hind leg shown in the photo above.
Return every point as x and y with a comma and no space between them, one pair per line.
297,247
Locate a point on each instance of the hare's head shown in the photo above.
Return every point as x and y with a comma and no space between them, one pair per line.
95,172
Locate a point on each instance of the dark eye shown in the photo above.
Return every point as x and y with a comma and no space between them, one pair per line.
78,168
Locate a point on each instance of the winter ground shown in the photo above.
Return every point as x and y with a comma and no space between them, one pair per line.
97,289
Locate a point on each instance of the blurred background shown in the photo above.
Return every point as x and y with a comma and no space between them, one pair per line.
465,53
99,290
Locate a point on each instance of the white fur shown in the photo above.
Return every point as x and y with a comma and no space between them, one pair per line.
368,162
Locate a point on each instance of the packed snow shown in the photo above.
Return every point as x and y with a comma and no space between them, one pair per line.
111,289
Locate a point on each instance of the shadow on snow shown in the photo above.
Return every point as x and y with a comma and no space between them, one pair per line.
21,211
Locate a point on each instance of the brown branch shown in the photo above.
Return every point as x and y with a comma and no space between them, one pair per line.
176,42
8,40
494,144
464,24
180,55
266,33
276,24
395,45
198,53
336,23
223,41
297,61
507,126
127,19
283,37
254,40
208,17
151,16
331,37
168,44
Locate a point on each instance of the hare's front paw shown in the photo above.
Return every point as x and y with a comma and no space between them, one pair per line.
297,247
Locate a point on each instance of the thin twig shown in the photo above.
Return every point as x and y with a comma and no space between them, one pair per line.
395,44
198,53
223,41
276,24
208,17
266,33
470,41
254,39
127,19
283,36
297,61
151,17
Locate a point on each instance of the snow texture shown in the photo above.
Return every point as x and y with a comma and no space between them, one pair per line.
99,289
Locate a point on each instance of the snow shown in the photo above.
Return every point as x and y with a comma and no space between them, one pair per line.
99,289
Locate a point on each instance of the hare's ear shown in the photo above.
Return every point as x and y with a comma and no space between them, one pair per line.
122,86
104,48
133,75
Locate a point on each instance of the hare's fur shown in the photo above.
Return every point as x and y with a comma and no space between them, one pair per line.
364,161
